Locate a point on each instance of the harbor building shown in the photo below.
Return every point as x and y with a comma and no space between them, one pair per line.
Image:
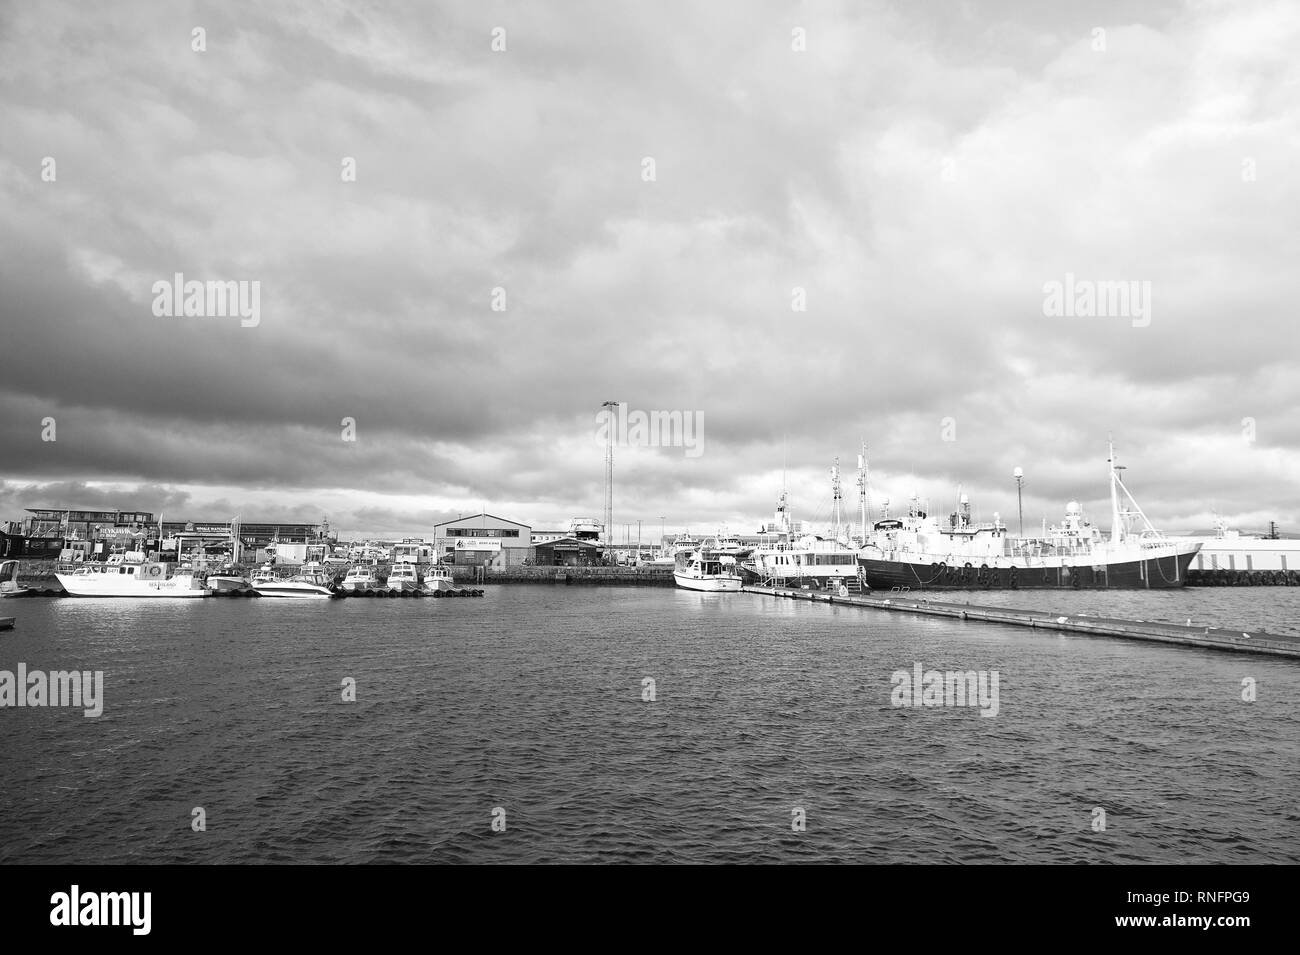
84,533
483,539
83,524
568,552
1233,551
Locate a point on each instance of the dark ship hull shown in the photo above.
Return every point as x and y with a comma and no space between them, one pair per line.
1155,573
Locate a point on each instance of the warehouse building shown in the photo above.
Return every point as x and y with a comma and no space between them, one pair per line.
483,540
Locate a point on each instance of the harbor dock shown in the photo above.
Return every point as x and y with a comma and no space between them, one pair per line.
1211,638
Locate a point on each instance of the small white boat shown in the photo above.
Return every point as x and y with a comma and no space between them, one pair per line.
312,582
9,586
226,580
226,583
438,577
131,575
403,578
360,578
708,573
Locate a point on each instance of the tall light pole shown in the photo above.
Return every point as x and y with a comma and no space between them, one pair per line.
611,410
1019,475
663,532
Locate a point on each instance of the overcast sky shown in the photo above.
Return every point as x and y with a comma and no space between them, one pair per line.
921,171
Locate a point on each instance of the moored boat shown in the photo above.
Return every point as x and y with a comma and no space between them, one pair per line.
360,578
312,582
131,575
438,577
708,573
403,578
9,586
919,554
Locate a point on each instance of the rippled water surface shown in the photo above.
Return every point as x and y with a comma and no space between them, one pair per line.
530,700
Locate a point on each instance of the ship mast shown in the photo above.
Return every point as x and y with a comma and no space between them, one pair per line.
862,491
1116,486
837,500
1115,531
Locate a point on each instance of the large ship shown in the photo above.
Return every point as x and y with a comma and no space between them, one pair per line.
788,557
919,553
131,575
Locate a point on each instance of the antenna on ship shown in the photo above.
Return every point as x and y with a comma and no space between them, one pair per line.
862,490
1115,531
837,499
1117,485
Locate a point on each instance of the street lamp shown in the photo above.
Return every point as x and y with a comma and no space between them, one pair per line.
1019,475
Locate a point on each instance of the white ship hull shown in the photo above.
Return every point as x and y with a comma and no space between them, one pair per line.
122,585
226,583
710,583
290,588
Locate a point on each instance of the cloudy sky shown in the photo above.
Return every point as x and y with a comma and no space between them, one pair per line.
915,176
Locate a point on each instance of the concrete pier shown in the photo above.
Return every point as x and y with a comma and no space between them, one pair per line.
1211,638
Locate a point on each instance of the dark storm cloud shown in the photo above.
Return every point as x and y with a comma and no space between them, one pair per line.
920,172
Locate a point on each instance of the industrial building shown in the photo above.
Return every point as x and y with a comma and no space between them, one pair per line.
483,539
47,531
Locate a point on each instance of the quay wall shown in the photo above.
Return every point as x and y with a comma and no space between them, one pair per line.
623,576
40,575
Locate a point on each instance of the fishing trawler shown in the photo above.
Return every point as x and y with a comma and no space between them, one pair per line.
920,553
793,558
130,574
708,573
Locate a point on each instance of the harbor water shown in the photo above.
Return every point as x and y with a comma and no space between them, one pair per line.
529,708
